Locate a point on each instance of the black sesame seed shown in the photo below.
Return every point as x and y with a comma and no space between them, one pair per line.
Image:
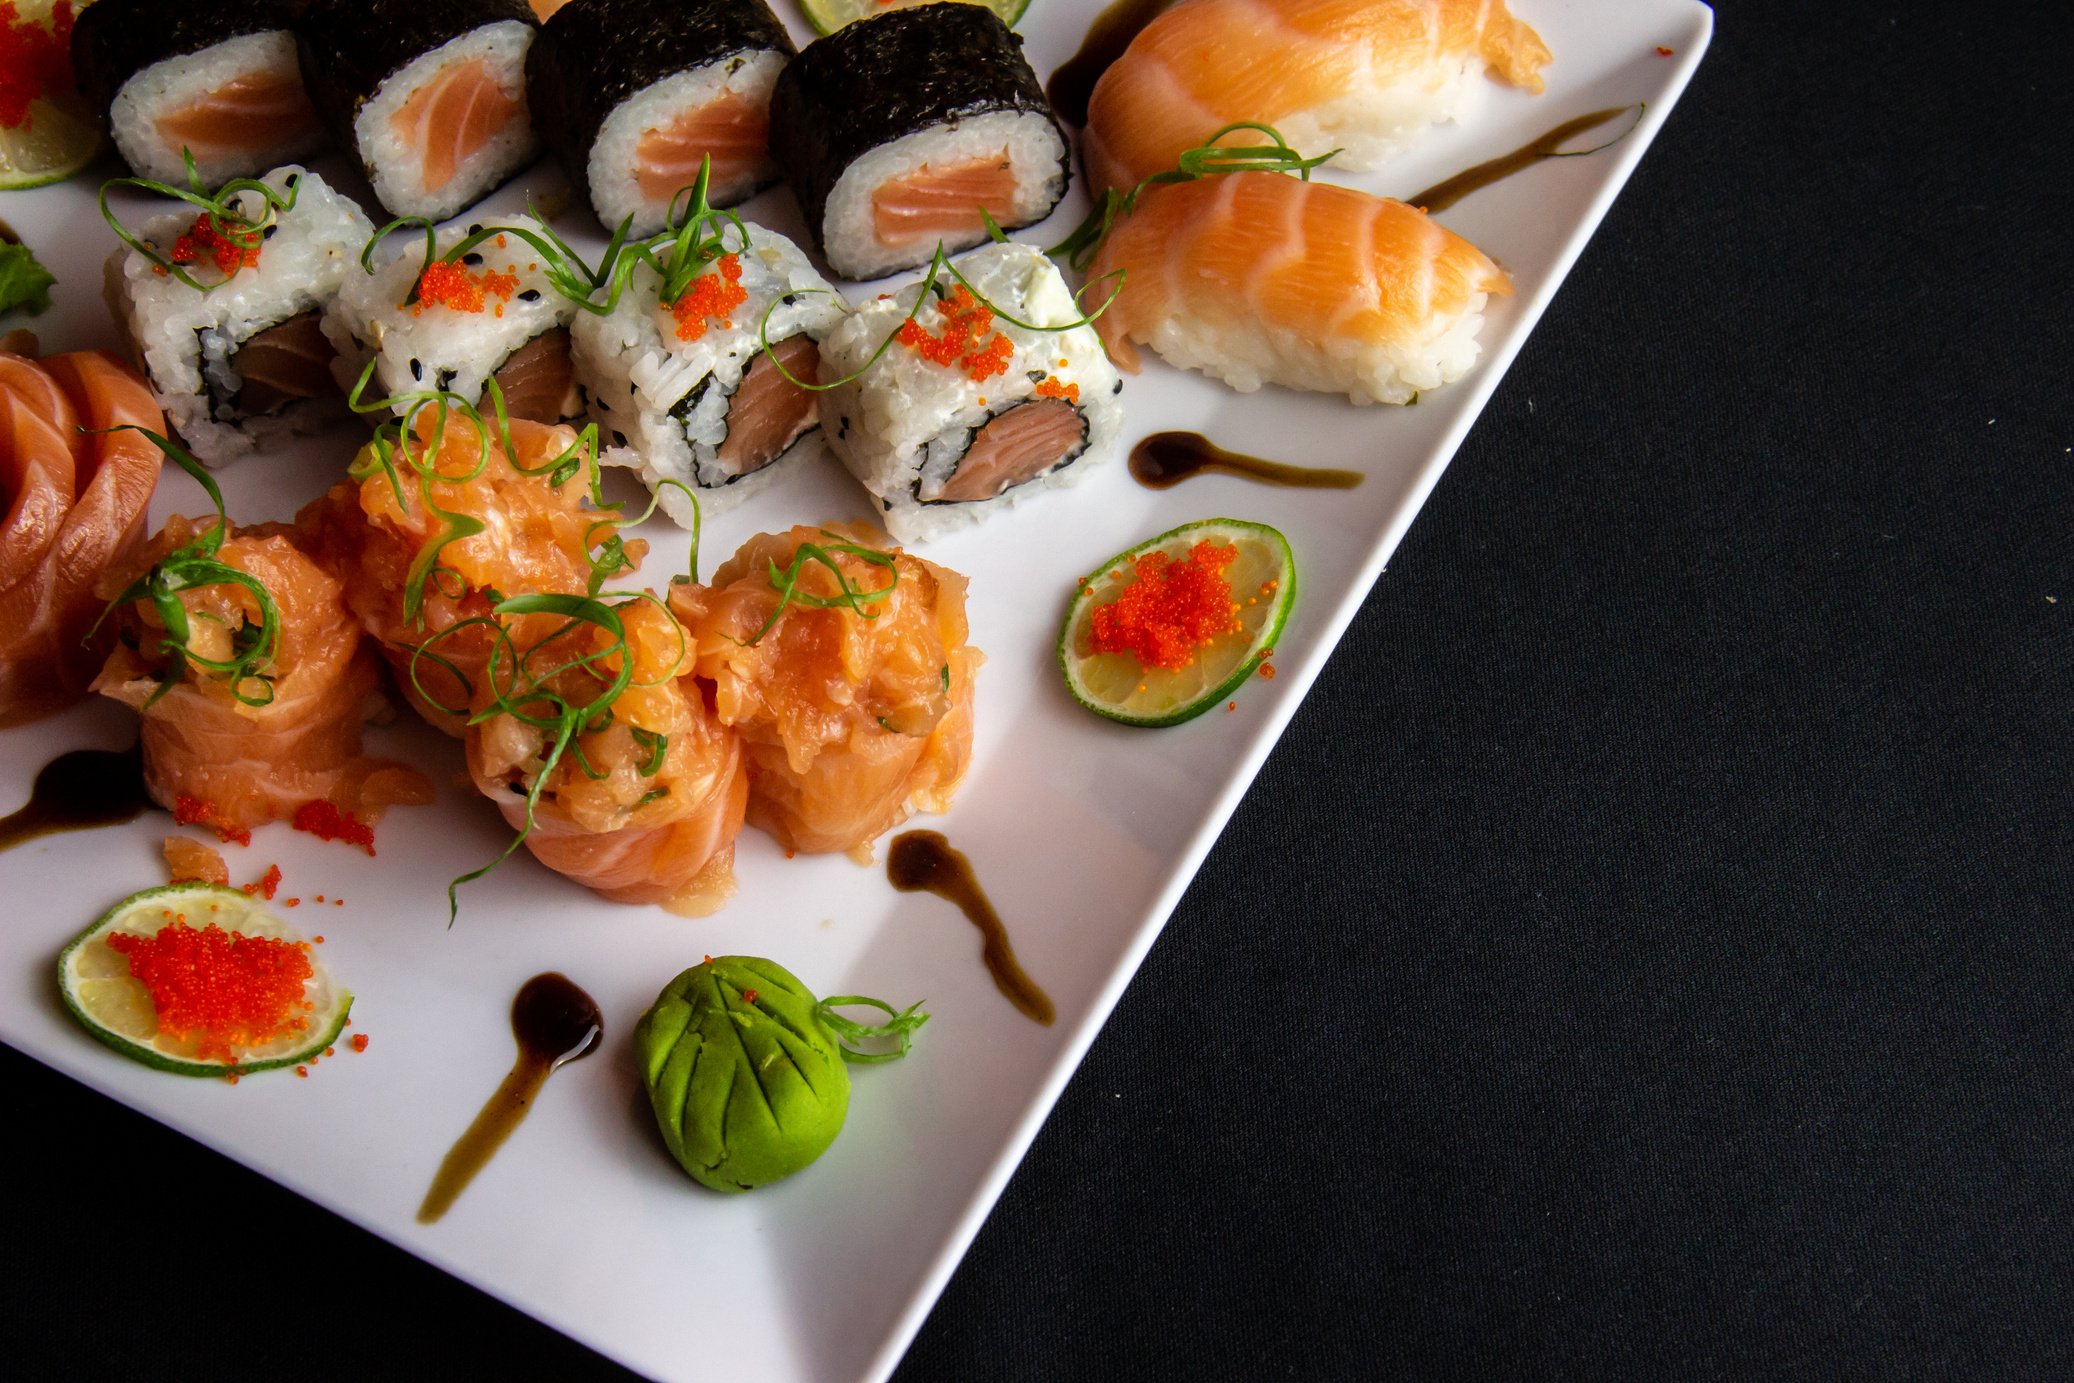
475,229
530,295
268,234
471,259
619,438
417,368
1118,389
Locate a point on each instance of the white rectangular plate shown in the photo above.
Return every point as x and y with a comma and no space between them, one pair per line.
1084,833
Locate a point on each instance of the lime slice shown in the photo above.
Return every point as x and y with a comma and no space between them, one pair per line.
1262,577
95,981
829,15
50,146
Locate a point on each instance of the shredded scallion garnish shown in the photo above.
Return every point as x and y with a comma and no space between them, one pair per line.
223,209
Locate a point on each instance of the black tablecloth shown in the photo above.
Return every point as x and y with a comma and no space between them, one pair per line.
1647,953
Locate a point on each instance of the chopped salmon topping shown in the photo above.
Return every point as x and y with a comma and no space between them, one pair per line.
1172,610
188,861
226,990
711,298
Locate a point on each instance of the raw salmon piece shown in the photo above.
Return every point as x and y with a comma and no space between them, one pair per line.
190,861
769,412
252,764
539,380
932,204
1327,73
284,364
75,505
1260,275
450,117
850,724
253,110
733,131
628,834
536,537
1018,445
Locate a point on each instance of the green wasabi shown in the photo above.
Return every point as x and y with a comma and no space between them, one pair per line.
24,283
748,1072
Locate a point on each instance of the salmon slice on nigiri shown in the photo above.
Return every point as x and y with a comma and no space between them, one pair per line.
74,506
1264,278
853,718
1362,76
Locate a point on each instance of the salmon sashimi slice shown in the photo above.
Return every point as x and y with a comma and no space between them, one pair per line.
850,724
731,129
538,380
284,364
769,412
75,505
1260,277
642,810
452,116
210,756
256,110
932,204
1016,445
535,537
1363,76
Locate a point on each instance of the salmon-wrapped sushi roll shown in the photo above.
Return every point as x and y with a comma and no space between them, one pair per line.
219,81
75,503
1366,77
1263,278
641,805
253,711
530,531
856,712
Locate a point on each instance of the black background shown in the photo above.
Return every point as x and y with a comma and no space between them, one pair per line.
1648,951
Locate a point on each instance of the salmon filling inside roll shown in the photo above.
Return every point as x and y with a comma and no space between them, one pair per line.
1017,445
770,412
945,203
283,364
450,118
539,380
257,107
731,130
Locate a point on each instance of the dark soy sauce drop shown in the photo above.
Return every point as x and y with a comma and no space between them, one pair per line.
924,862
1107,37
87,787
1443,195
555,1022
1165,459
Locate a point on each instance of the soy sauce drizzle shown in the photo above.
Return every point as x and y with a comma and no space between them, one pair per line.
1443,195
924,862
555,1023
87,787
1165,459
1111,33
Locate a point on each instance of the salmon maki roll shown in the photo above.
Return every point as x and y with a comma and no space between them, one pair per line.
75,507
1366,77
909,129
250,713
526,530
853,716
454,326
633,95
643,804
428,95
1263,278
685,391
234,344
218,81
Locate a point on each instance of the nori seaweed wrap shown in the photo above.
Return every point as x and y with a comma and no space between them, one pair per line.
381,72
221,80
897,130
630,93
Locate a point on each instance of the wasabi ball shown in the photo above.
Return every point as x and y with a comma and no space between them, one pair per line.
746,1070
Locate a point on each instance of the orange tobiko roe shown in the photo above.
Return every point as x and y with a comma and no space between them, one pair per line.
1172,609
713,297
35,60
226,990
229,253
968,340
326,822
446,284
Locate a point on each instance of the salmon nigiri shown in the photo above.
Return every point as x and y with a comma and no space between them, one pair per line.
1362,76
532,532
249,714
644,801
854,715
74,505
1263,278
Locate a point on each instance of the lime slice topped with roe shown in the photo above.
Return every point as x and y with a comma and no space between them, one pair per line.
49,146
201,980
1161,633
44,133
829,15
